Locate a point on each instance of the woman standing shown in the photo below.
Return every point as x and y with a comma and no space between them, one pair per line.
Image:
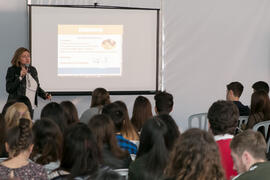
22,78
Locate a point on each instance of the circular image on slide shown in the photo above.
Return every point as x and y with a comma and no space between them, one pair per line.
108,44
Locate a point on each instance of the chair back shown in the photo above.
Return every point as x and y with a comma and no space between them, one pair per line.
268,145
123,173
262,125
201,121
3,159
242,120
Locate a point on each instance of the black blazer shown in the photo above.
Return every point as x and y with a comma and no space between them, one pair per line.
16,87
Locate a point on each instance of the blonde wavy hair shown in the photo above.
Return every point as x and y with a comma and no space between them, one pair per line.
14,113
16,57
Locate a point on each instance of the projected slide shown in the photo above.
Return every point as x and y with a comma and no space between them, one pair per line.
90,50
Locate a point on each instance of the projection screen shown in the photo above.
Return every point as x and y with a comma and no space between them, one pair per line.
76,49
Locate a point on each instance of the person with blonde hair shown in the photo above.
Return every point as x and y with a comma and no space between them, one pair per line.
11,119
14,113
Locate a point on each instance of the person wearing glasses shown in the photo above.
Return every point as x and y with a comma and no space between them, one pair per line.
22,78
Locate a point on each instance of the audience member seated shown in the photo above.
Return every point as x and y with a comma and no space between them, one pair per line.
128,131
260,109
55,112
152,156
80,158
13,114
115,112
112,155
2,137
223,118
22,99
19,145
7,105
234,91
70,112
163,103
195,157
48,144
248,151
173,132
260,86
142,111
109,174
100,98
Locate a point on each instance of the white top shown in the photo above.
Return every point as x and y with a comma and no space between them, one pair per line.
223,137
31,88
51,166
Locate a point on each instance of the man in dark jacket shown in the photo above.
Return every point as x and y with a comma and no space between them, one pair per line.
234,91
248,151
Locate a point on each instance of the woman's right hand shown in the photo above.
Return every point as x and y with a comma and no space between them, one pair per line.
23,72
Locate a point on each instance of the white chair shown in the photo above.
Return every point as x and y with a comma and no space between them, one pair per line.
3,159
122,172
265,125
268,145
201,120
242,120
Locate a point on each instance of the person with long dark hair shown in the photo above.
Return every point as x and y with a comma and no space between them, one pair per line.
260,108
142,111
100,98
55,112
260,86
80,157
112,155
152,156
70,112
48,144
195,156
22,78
117,115
128,131
19,145
173,132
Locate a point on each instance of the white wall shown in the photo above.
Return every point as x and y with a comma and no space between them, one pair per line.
207,44
210,43
13,34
